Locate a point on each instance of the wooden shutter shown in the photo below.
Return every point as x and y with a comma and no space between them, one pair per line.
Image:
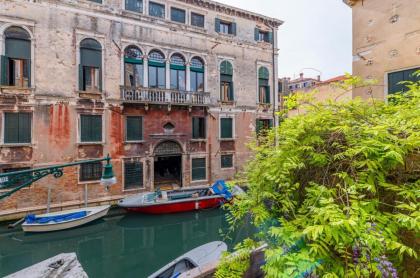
270,37
25,120
257,34
198,169
90,128
133,175
231,93
217,25
4,70
196,128
226,126
267,94
28,68
134,128
81,78
96,128
233,26
11,128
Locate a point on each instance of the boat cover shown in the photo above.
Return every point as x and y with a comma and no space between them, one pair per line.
32,219
220,188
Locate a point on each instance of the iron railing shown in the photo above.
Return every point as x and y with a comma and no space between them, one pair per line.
164,96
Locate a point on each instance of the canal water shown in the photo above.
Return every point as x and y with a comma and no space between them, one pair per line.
128,245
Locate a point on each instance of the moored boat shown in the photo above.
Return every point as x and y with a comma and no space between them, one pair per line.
62,220
198,257
181,200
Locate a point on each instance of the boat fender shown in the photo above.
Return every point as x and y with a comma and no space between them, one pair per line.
197,205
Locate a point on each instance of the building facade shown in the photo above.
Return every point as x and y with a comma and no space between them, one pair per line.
172,90
302,83
386,44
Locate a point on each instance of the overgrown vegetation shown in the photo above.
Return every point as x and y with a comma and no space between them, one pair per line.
335,192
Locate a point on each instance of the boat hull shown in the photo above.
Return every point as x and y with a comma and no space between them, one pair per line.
176,207
96,213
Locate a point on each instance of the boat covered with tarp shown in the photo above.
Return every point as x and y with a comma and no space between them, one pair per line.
180,200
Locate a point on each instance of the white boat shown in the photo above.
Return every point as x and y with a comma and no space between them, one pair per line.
198,257
62,220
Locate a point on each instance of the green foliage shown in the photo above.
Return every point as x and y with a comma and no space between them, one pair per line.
344,178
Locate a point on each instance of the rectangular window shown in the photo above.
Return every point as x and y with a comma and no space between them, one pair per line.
134,128
226,128
263,125
157,77
197,20
90,78
177,15
225,28
17,128
133,175
90,171
90,128
197,81
226,160
263,36
226,92
157,10
14,182
395,78
96,1
134,5
18,73
199,127
198,169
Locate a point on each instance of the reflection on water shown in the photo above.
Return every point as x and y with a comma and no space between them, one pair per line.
122,246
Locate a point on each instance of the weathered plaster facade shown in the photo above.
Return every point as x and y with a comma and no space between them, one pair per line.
386,39
57,28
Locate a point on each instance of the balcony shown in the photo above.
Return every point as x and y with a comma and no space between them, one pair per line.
164,96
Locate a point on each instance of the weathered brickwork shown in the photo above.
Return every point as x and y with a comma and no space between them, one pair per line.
56,100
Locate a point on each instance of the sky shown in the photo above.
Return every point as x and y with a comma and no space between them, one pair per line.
315,34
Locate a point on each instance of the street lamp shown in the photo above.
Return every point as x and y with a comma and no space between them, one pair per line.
30,176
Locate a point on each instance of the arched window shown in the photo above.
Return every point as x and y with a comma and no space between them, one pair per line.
226,82
263,85
133,67
16,63
90,68
197,75
177,72
157,75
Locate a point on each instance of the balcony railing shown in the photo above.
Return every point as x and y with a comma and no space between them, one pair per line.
164,96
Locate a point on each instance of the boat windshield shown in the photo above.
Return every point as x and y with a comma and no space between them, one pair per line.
180,267
149,198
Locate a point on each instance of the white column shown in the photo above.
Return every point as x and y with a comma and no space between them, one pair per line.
168,74
145,72
188,77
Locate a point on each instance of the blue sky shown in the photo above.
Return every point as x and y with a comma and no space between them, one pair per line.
316,34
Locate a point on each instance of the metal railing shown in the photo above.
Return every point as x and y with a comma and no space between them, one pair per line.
164,96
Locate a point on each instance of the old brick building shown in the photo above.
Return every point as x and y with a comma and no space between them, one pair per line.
386,44
172,90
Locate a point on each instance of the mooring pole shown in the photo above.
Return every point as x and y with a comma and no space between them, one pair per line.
86,195
49,200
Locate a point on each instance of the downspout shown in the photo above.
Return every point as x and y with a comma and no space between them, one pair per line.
274,36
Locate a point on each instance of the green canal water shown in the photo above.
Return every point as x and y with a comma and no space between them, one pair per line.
128,245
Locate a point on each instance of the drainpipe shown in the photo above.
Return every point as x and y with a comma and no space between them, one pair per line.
275,124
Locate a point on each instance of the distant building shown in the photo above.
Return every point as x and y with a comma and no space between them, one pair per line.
303,83
386,44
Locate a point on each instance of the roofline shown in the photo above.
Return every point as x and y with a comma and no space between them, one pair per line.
234,11
350,3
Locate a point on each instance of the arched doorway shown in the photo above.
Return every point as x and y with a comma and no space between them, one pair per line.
168,164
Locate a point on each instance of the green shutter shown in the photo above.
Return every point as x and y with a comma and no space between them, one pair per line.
217,25
81,83
226,68
267,94
17,48
97,128
28,68
91,57
133,61
25,120
231,92
198,169
195,128
233,26
90,128
100,79
134,128
226,126
11,128
257,34
3,69
270,37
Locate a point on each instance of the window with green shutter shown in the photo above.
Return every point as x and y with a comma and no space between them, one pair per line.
198,169
199,127
133,175
17,128
134,128
226,128
90,67
90,171
226,82
225,27
263,85
394,79
263,125
91,128
226,160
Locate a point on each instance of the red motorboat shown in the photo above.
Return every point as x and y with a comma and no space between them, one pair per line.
181,200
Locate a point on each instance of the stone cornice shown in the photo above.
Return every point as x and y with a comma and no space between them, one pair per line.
350,2
233,11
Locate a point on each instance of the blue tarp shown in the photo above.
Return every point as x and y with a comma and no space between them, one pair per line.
32,219
220,188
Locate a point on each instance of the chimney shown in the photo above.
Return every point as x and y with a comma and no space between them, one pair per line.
319,78
301,75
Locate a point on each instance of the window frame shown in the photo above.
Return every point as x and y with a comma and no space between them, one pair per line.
204,137
79,130
178,10
126,128
80,181
205,168
142,6
157,4
232,117
387,76
3,133
132,160
233,161
192,13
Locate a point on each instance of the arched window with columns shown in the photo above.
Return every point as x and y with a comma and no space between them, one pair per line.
133,67
90,67
156,71
16,61
197,75
263,85
226,81
178,72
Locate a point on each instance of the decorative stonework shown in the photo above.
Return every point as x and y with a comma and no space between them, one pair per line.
393,53
394,19
369,62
